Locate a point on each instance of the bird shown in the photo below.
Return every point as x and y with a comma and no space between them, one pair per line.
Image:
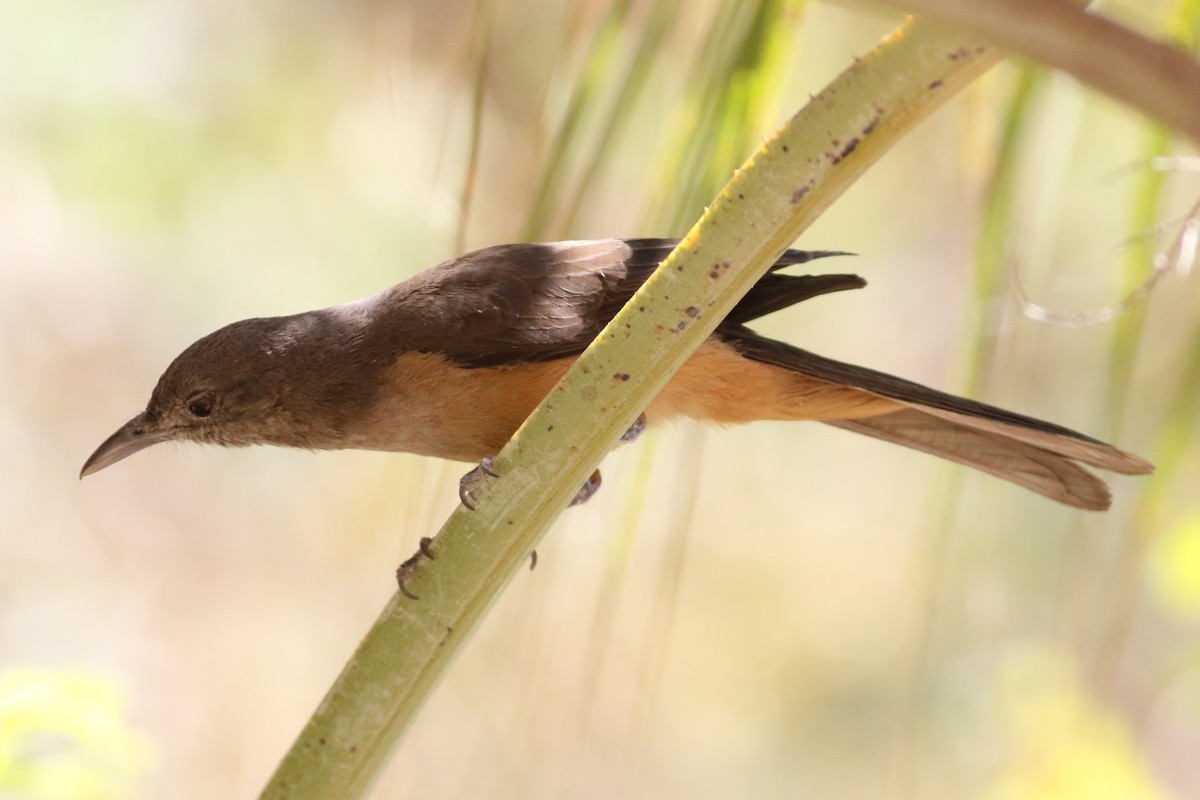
450,362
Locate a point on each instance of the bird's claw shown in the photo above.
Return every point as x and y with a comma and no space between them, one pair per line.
405,571
468,483
425,547
635,430
587,490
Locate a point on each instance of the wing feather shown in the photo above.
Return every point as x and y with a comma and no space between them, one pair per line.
537,302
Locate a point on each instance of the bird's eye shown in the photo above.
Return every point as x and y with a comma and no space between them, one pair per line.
200,406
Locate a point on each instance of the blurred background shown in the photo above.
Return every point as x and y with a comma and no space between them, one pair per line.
777,610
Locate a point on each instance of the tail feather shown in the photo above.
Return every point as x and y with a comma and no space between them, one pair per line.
1030,452
1045,472
1073,445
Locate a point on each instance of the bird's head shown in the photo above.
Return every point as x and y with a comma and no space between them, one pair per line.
228,388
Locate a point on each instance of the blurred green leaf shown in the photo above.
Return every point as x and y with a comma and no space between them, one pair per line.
732,87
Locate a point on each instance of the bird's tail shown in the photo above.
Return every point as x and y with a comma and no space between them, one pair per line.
1030,452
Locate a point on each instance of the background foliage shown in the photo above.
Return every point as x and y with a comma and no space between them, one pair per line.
870,621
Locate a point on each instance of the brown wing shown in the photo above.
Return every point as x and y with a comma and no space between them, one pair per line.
537,302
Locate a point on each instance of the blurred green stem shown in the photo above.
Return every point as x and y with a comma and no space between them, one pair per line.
586,96
1181,21
483,43
993,247
724,110
1154,77
768,203
662,14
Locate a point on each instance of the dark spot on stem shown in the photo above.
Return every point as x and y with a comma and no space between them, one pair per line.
847,150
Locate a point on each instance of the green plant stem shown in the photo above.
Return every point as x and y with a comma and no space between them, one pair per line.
770,200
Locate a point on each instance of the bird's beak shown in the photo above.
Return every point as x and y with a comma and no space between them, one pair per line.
137,434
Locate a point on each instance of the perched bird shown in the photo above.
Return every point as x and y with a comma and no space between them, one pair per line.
450,362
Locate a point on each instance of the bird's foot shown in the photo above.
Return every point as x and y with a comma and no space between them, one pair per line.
635,430
590,488
468,483
593,483
405,571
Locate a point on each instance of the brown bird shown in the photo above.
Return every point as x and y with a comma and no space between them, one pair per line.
450,362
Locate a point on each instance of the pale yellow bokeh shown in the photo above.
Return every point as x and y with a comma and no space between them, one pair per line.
774,610
1063,744
1175,567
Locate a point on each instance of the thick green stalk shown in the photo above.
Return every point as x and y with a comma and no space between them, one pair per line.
767,204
